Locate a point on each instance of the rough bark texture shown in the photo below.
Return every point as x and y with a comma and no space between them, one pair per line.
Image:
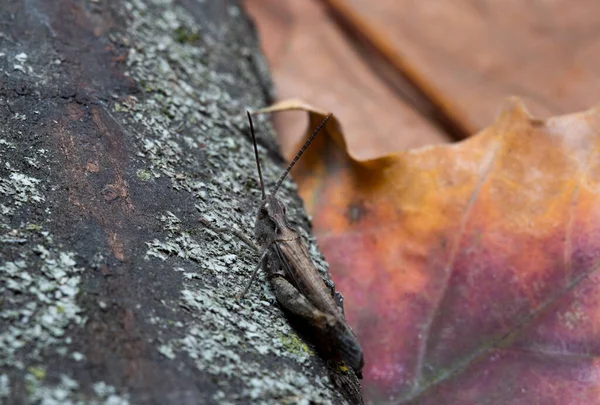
121,123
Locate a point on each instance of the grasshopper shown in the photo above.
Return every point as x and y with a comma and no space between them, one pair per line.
297,284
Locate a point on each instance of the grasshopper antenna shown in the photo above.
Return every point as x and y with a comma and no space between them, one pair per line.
308,141
262,184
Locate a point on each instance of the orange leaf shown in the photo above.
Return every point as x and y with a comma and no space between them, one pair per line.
469,270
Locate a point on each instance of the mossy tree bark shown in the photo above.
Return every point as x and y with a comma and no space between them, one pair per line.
122,123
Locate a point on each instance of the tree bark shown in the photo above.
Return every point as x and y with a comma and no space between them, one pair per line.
122,124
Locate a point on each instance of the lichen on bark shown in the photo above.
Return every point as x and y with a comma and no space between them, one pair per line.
121,125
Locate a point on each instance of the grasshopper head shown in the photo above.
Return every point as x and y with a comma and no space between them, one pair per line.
271,213
269,220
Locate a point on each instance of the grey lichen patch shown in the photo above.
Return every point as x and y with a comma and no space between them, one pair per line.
108,395
16,191
21,188
167,351
17,188
39,303
67,392
4,386
181,245
20,63
284,386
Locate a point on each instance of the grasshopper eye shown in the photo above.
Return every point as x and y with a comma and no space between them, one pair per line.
262,212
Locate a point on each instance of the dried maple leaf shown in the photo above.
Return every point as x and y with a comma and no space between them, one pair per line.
390,68
310,58
469,270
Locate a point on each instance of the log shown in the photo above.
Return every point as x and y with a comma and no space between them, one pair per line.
121,125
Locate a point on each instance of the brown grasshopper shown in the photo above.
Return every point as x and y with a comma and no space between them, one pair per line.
297,284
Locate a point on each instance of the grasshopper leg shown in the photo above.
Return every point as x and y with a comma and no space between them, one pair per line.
253,276
289,297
